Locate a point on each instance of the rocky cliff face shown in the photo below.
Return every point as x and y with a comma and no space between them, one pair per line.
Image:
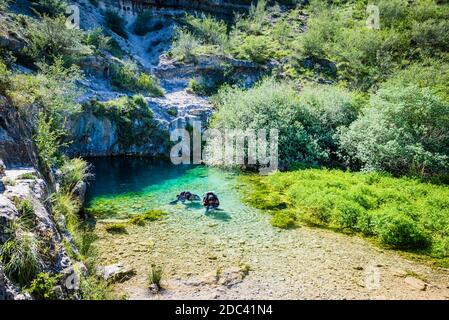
221,7
16,146
50,233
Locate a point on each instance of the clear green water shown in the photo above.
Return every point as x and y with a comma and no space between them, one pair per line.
130,186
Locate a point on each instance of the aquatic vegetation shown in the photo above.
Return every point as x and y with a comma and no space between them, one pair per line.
150,215
401,213
120,206
116,228
155,276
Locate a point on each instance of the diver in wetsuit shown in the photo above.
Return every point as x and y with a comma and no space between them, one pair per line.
211,201
187,195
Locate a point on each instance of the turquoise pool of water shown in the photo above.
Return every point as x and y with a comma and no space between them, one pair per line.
134,185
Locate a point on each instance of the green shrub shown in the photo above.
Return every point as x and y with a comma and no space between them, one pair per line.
51,8
93,288
173,112
283,219
53,89
20,256
84,242
116,228
49,38
430,73
47,140
73,171
102,42
256,18
208,29
401,231
27,176
133,117
26,209
184,46
347,214
146,83
306,123
155,276
198,87
4,77
115,22
127,77
43,286
402,132
254,48
64,205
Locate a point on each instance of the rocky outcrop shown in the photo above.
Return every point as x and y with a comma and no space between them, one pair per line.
16,146
210,67
52,237
9,39
94,135
116,273
221,7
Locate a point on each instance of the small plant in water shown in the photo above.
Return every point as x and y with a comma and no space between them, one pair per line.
150,215
116,228
154,278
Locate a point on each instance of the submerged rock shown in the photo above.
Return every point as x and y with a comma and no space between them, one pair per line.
116,273
416,283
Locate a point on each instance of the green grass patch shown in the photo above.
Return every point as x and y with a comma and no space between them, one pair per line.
151,215
116,228
27,176
399,213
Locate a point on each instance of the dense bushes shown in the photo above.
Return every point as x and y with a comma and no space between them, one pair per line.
128,77
366,57
401,213
252,37
51,8
115,22
184,46
133,117
48,38
43,286
208,29
47,140
306,121
20,254
403,131
101,42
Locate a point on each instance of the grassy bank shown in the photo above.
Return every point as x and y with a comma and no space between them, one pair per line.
399,213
